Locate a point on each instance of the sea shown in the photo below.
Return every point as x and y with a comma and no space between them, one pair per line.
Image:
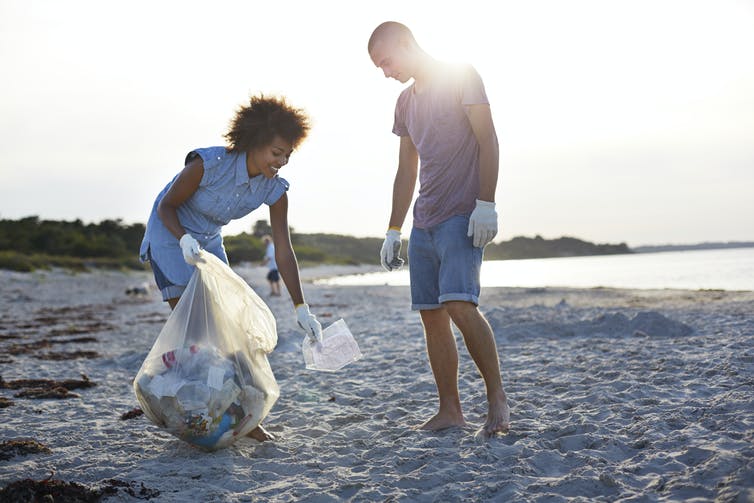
718,269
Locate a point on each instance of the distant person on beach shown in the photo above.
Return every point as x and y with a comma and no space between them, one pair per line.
219,184
273,276
443,119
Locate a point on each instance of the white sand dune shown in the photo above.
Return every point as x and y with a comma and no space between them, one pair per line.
616,395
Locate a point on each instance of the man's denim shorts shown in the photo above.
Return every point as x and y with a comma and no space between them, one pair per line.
444,264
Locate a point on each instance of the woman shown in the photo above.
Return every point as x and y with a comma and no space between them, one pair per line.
219,184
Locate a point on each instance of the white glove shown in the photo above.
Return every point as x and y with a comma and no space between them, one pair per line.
190,248
391,249
483,223
309,323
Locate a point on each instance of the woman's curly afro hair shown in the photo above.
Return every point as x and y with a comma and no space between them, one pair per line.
256,124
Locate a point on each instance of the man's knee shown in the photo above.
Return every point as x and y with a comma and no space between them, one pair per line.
458,309
434,319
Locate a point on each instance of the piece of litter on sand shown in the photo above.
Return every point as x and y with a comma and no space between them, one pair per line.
337,349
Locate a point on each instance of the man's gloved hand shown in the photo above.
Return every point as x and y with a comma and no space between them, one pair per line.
483,223
190,248
309,323
391,249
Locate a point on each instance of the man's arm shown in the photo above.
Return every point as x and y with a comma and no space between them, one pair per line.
480,118
405,181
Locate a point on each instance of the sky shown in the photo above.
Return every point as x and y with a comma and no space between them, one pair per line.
619,121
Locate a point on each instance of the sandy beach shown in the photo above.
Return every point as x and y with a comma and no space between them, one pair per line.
616,395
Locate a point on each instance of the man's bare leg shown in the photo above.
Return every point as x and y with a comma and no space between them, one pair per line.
480,341
443,358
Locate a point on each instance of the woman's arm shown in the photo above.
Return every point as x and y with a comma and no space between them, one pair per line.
183,187
284,254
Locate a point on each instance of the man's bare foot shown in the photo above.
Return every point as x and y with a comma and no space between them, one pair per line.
442,420
260,434
498,418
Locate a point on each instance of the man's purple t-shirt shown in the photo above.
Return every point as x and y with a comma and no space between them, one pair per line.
437,124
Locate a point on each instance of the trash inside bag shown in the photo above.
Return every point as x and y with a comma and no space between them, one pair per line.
337,349
207,379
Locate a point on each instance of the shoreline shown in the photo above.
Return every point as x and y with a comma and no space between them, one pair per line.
728,270
309,273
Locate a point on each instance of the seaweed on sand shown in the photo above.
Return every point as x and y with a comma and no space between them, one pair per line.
47,388
49,489
12,448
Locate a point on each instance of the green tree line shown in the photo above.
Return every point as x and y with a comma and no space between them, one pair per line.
30,243
538,247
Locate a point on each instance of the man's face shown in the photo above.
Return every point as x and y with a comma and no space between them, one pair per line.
393,58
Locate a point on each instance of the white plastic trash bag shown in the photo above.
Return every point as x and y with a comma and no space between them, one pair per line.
207,379
337,349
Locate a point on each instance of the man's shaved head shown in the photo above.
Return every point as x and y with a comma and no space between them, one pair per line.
390,30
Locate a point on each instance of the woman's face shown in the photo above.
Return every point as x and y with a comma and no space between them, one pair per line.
268,159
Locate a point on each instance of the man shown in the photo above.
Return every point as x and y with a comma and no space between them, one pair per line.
443,119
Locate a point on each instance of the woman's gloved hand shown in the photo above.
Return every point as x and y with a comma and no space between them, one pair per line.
309,323
190,248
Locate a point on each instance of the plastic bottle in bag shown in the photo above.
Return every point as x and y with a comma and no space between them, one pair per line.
177,356
193,395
